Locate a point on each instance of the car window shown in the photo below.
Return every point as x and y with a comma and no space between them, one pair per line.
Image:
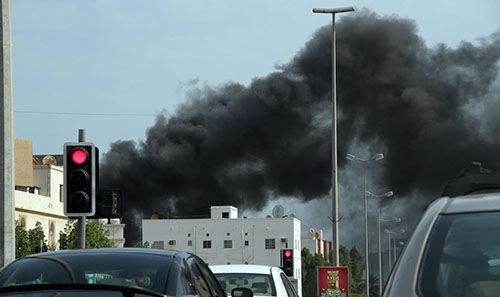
36,271
260,284
462,256
290,289
179,281
199,282
106,269
212,281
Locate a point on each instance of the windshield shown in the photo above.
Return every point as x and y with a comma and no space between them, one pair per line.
123,270
260,284
463,255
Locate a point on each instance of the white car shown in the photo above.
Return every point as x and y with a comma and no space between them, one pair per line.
261,279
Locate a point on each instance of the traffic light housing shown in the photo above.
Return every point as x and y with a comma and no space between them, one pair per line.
109,204
80,179
287,261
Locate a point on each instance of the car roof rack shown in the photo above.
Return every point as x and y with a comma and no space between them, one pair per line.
474,178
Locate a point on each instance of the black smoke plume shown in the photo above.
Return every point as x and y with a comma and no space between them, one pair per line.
431,111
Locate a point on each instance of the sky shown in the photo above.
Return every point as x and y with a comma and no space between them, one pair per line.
109,67
112,67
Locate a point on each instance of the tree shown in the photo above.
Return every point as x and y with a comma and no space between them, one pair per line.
356,268
22,242
29,241
144,245
310,265
95,236
374,286
36,238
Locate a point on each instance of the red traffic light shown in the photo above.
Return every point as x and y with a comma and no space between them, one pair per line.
287,253
79,156
80,178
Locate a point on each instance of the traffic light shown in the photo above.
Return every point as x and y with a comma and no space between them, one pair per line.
80,179
287,261
108,204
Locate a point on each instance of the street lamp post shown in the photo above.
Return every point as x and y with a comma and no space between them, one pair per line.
335,220
380,220
376,157
392,232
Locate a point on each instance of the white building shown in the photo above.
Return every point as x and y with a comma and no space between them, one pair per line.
39,196
226,239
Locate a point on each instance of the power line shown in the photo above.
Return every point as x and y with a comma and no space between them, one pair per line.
85,113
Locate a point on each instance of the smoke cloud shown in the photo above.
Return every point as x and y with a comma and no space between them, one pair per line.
431,111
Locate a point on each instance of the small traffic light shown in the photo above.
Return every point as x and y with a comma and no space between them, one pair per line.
108,204
80,175
287,261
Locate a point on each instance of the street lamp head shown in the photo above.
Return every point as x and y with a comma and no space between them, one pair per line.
388,194
376,157
396,220
334,10
394,232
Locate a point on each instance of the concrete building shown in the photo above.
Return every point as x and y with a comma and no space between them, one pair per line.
317,244
38,192
224,238
39,195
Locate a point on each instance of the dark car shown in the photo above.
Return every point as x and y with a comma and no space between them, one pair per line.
167,272
454,250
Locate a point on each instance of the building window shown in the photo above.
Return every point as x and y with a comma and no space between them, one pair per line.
246,234
189,234
270,244
228,234
158,245
225,215
247,243
207,244
61,193
22,221
208,234
52,233
190,243
228,244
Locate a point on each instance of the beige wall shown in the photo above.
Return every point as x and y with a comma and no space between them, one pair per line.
23,159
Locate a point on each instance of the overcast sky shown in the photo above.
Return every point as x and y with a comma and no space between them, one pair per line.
110,66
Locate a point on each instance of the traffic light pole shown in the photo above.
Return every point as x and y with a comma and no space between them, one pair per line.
82,137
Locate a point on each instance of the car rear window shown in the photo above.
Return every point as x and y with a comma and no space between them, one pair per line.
260,284
149,271
462,256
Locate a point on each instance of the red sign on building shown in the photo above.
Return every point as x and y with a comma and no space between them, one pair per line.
333,281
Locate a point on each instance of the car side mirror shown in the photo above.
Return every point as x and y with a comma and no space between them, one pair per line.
241,292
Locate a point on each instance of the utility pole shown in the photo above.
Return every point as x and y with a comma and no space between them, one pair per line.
7,228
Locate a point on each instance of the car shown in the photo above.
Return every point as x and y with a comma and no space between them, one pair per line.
454,249
263,280
154,271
